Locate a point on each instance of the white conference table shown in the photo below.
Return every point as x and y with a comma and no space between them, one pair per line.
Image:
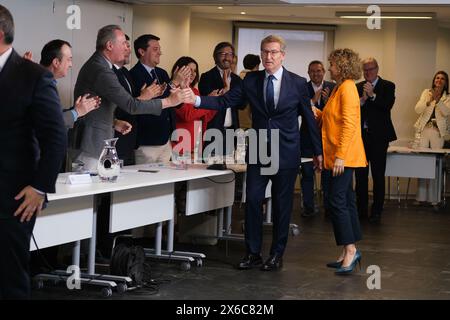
426,163
137,199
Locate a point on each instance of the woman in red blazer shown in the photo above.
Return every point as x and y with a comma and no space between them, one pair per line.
188,117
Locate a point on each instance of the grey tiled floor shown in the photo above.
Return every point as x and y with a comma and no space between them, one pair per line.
411,247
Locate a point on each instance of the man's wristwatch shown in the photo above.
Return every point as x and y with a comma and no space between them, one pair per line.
372,98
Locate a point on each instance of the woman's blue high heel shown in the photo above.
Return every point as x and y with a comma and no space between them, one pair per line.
352,266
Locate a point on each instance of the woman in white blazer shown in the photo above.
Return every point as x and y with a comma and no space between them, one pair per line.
433,108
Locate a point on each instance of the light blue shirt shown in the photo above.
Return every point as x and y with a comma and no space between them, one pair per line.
375,82
73,111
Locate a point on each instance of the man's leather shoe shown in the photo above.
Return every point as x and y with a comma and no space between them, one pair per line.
375,218
274,262
250,261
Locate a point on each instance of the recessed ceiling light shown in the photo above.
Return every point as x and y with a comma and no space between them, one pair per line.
243,12
220,8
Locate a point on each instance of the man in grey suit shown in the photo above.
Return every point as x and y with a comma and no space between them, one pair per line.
56,57
97,77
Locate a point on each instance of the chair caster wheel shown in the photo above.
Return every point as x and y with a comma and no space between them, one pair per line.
39,284
122,288
106,292
185,266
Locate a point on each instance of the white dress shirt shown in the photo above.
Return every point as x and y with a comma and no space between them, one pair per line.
317,88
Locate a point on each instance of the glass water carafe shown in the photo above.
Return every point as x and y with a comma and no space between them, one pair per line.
109,164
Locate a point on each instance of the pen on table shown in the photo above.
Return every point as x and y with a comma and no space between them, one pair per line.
151,171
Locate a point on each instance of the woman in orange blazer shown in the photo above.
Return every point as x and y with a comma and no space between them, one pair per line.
343,150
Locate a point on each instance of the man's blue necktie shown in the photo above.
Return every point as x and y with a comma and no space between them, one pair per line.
270,101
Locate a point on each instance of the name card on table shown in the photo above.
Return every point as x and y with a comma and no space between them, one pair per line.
79,179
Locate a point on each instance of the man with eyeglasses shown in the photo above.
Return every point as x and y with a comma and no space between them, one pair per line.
377,97
276,97
218,81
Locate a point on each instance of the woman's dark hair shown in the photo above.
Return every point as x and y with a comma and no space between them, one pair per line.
184,61
446,80
251,61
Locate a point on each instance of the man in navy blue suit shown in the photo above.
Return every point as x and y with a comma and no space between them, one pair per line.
154,131
276,97
318,91
33,145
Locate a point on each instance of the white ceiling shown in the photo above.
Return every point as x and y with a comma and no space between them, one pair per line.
280,11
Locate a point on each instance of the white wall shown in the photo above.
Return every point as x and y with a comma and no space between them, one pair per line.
415,66
359,38
205,35
407,52
443,50
36,23
171,24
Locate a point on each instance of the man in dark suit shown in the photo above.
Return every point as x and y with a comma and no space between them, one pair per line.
33,145
221,79
56,57
276,97
126,144
318,91
377,99
154,131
